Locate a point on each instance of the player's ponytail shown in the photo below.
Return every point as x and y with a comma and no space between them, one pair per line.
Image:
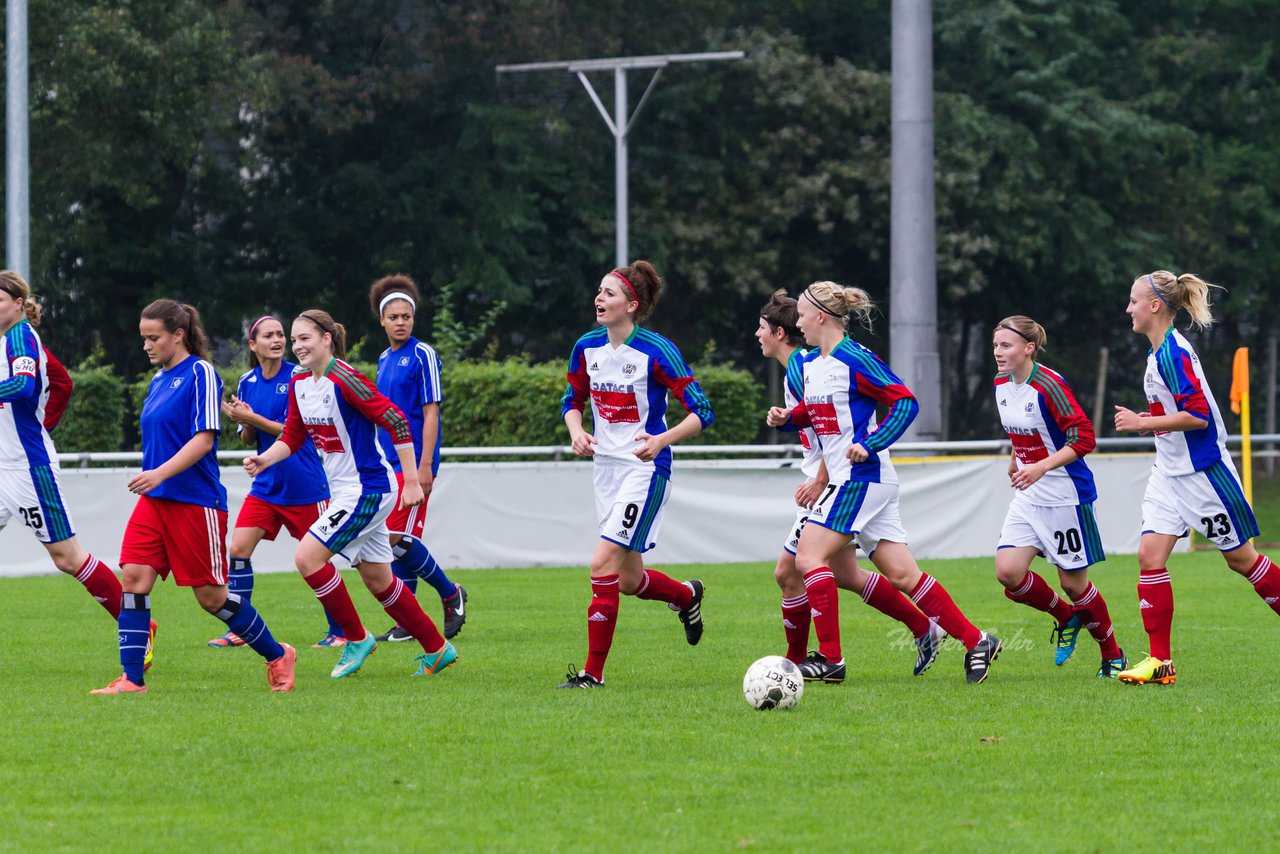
1026,329
641,283
328,326
181,317
780,313
842,301
16,286
1188,291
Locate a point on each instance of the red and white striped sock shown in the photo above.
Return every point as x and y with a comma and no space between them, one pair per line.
1092,609
1265,579
663,588
1155,601
102,584
888,600
1036,593
332,593
602,619
795,623
824,608
932,598
402,606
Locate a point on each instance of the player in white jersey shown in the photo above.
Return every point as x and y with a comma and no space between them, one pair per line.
341,411
30,488
780,339
1051,514
626,372
842,386
1194,482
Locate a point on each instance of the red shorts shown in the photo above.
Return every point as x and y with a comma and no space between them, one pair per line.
296,518
173,536
407,520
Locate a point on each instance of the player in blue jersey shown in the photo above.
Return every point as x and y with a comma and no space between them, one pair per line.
626,372
409,376
30,489
291,495
179,525
1194,481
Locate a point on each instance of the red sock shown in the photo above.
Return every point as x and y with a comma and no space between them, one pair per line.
934,600
602,618
1155,601
887,599
1265,579
402,606
333,595
824,608
1036,592
663,588
1092,609
101,583
795,622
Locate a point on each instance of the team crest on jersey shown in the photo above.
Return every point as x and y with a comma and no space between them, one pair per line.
23,366
1030,406
404,361
282,388
325,400
177,381
628,369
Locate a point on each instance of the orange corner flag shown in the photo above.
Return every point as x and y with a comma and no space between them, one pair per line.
1239,379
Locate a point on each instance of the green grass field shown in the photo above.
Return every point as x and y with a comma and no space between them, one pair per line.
487,756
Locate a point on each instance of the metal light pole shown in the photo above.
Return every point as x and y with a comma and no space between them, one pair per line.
620,124
17,194
913,275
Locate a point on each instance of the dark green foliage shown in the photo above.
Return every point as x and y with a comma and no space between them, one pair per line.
94,420
738,400
502,403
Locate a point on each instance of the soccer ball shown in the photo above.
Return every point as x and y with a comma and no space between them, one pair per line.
773,682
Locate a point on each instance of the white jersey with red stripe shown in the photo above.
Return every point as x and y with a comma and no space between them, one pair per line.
1041,417
341,411
793,393
628,386
841,391
1175,382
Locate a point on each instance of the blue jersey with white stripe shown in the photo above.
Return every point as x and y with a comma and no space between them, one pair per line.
300,478
182,401
409,377
24,389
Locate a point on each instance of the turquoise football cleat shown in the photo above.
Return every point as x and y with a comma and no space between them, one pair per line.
353,655
434,662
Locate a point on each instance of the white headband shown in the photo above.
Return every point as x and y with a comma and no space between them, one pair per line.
394,295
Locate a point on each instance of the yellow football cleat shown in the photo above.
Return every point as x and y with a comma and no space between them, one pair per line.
1150,671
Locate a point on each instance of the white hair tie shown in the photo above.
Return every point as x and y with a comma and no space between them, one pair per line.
394,295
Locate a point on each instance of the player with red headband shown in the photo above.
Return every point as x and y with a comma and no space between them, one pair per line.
1051,514
291,495
1194,481
626,372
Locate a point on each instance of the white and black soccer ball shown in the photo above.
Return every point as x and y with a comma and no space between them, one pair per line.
773,682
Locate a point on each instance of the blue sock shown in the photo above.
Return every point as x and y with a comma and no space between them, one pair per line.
135,628
242,619
403,572
412,558
334,628
240,581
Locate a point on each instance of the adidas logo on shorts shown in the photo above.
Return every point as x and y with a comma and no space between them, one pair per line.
621,533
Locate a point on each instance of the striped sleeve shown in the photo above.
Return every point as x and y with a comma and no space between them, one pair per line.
795,375
431,390
206,398
24,364
1065,410
1179,375
872,378
579,387
671,370
295,432
365,398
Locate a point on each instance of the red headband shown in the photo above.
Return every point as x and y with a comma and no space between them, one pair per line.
634,295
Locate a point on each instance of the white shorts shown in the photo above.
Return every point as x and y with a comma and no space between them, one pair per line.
1066,537
792,541
1211,501
354,525
34,497
867,511
629,504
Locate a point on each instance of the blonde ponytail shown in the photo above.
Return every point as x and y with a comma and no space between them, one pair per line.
1188,291
843,302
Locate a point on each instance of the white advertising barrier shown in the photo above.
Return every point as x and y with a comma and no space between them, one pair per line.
543,514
